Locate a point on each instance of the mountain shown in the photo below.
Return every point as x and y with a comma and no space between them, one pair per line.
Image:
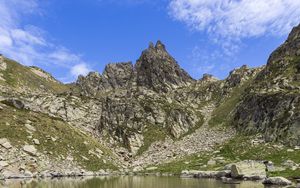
133,116
271,105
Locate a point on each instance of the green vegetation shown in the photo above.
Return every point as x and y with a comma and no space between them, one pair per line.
19,76
222,114
152,134
237,149
68,140
193,162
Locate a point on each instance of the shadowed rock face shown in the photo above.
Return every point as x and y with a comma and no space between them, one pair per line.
118,75
271,104
157,70
115,75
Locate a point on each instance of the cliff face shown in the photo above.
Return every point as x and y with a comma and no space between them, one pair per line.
271,104
157,70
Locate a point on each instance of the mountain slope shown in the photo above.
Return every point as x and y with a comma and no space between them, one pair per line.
152,111
27,79
270,105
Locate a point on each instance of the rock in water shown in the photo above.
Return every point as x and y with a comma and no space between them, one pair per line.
253,170
277,181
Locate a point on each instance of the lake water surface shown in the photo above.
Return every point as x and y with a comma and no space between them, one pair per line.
128,182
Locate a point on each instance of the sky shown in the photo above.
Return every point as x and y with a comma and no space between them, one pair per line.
73,37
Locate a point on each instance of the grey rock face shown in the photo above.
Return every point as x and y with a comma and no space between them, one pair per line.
271,104
30,149
273,115
119,75
277,181
253,170
115,75
157,70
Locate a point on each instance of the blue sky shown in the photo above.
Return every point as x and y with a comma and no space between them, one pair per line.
72,37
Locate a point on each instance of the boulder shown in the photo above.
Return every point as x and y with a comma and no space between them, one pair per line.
151,168
36,141
212,174
205,174
5,143
30,149
253,170
277,181
14,103
137,169
289,164
3,164
30,127
211,162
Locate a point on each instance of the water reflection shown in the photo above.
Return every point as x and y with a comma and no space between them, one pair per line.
127,182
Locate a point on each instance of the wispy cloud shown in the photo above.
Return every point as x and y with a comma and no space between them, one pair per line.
80,69
238,18
28,44
227,23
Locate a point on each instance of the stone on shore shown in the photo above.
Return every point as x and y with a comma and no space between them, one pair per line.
30,149
253,170
204,174
5,143
151,168
277,181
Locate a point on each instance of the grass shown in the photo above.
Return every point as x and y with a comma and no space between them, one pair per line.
237,149
152,134
193,162
19,76
70,141
222,114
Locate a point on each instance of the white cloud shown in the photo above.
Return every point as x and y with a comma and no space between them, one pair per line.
80,69
227,23
28,44
238,19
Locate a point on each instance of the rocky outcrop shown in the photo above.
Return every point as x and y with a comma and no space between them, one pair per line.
277,181
270,104
3,65
204,174
157,70
119,75
115,76
253,170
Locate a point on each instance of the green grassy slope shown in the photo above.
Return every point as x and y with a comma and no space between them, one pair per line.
19,76
69,140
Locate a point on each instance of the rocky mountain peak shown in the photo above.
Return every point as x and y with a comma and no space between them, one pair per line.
283,64
295,34
118,75
240,75
115,75
208,78
158,70
160,46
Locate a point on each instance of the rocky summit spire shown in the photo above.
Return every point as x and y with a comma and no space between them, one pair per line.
158,70
160,46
